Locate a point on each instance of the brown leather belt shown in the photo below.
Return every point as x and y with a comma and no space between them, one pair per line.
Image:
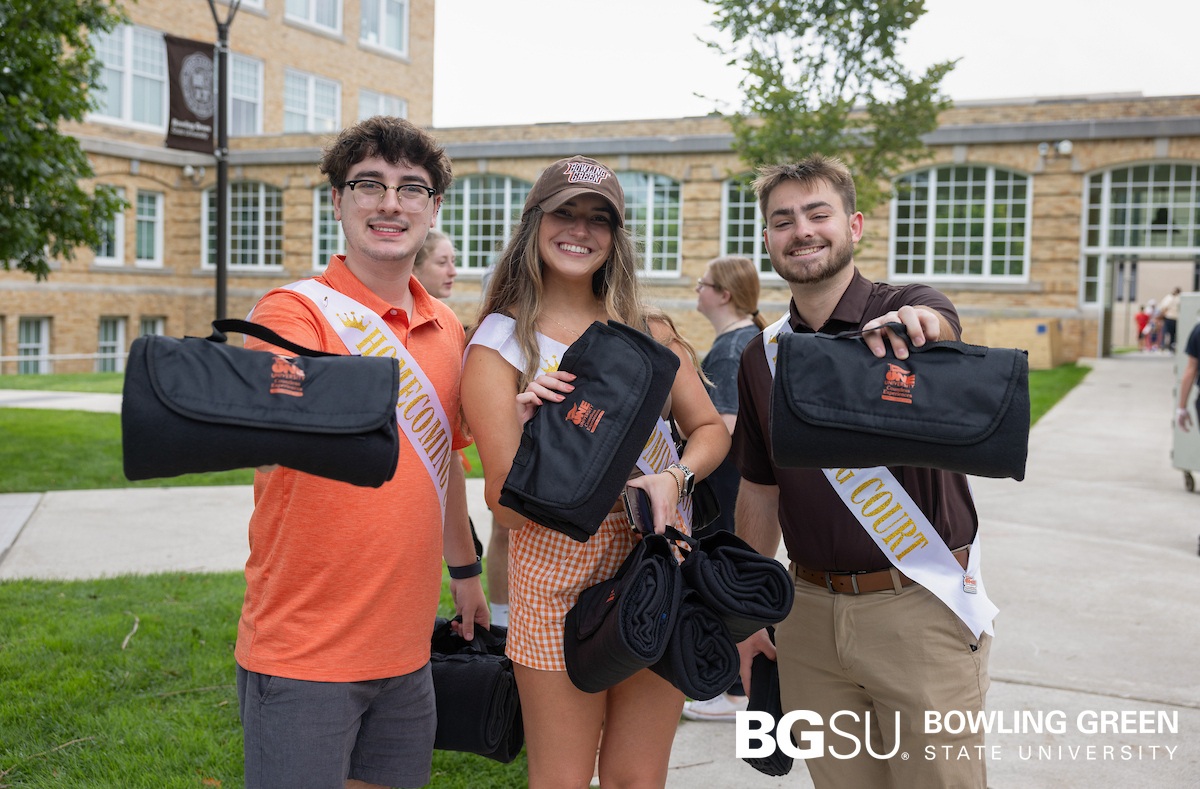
864,582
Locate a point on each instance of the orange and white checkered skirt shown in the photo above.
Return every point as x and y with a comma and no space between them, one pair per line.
546,572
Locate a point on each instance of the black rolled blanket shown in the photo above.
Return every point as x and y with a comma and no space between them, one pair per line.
477,704
623,625
764,697
747,590
701,658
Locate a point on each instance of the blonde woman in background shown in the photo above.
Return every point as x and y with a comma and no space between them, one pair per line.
727,295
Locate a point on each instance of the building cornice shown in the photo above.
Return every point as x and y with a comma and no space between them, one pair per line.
555,147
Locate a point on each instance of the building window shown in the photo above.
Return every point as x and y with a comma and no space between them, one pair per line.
152,325
110,351
1146,207
385,25
371,104
479,213
245,96
133,77
111,249
149,229
961,222
310,104
255,226
742,228
321,14
327,231
652,211
33,342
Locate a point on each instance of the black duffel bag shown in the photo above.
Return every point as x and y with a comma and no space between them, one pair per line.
198,404
478,708
949,406
575,456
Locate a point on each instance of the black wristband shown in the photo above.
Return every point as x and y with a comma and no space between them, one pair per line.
466,570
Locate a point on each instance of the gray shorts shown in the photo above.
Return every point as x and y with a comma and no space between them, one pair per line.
315,735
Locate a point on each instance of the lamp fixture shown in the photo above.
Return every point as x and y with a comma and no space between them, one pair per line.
194,174
1055,149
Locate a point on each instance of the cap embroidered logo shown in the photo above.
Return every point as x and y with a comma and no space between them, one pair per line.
583,172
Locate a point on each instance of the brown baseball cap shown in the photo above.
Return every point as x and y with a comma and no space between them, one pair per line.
572,177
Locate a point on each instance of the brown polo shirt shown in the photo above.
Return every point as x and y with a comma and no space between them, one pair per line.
819,531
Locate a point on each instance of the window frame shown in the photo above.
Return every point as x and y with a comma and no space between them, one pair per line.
155,224
257,103
648,195
309,19
257,240
381,100
734,245
124,116
310,118
321,223
460,217
110,352
116,237
380,46
989,220
40,365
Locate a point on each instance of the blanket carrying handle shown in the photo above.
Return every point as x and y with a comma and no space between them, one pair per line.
898,328
258,331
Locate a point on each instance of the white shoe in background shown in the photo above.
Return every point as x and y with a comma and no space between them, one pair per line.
719,708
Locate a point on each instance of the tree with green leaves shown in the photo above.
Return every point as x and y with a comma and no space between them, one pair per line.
822,76
46,74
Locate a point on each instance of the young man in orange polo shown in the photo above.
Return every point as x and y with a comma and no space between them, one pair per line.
342,583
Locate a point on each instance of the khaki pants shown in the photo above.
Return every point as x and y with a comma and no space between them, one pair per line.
894,656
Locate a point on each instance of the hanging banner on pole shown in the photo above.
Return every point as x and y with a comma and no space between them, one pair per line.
193,99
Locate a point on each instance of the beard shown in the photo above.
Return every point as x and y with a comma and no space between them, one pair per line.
840,256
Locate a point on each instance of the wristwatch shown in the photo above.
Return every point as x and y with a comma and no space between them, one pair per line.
689,478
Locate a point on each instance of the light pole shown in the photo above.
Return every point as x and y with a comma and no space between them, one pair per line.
222,151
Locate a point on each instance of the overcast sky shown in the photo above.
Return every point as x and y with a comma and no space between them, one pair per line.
535,61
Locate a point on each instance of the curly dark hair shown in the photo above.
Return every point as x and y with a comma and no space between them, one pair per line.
395,140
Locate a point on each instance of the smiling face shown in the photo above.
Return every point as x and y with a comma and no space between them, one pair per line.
576,238
387,232
808,234
437,272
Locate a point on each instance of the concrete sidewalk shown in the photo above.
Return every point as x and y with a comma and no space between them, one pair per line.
1092,560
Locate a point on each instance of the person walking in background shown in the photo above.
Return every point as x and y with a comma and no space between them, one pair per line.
1142,320
727,294
862,637
1190,378
343,582
569,263
1170,314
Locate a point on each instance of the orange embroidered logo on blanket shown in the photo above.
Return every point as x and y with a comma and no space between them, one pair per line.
286,378
585,415
898,384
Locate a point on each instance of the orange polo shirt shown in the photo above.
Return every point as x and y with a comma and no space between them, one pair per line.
343,581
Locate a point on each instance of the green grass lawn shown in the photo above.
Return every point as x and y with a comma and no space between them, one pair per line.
129,682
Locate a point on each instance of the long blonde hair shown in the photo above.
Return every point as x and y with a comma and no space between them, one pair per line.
515,289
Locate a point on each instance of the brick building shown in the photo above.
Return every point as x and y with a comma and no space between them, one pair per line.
1040,218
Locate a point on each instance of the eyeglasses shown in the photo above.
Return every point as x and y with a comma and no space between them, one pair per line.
702,284
369,194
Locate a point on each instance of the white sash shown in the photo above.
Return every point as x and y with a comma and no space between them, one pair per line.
419,412
497,332
892,519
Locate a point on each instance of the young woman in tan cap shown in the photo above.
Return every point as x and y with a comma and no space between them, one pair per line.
571,262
